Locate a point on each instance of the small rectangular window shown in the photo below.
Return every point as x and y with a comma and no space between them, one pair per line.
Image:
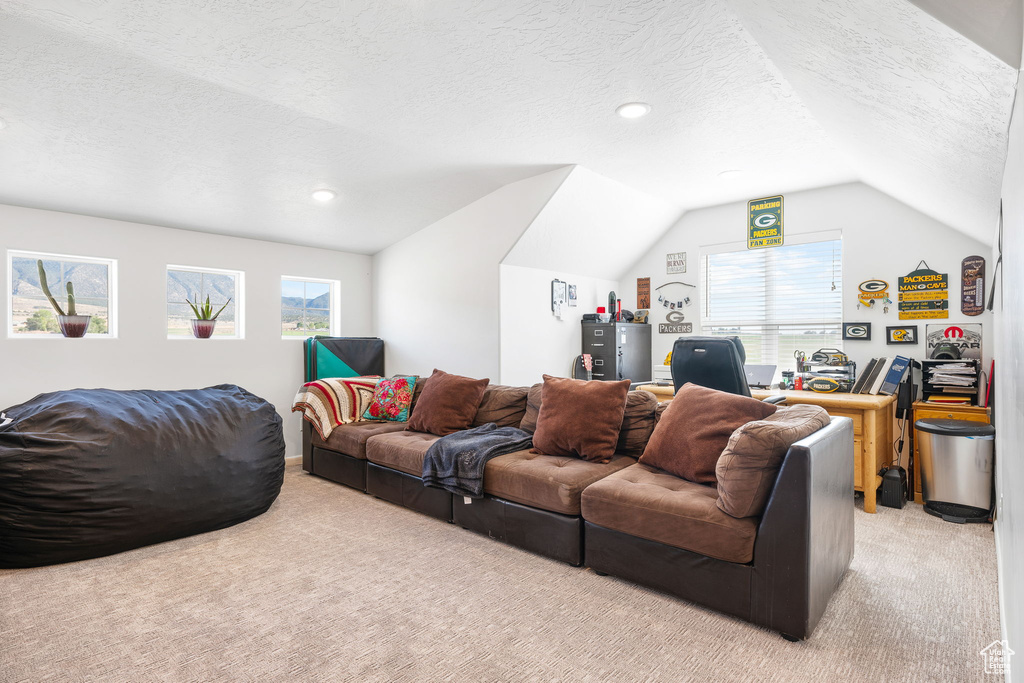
190,284
94,282
308,307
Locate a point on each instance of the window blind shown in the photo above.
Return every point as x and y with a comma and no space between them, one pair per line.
776,300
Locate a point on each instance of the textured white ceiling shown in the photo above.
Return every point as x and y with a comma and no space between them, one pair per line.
223,115
919,111
993,24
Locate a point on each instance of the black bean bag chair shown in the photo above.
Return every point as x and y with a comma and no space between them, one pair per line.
92,472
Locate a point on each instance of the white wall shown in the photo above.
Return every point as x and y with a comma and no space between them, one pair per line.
435,293
882,238
142,357
593,226
1009,404
533,340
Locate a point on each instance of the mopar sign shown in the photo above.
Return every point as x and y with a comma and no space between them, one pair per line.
966,338
764,224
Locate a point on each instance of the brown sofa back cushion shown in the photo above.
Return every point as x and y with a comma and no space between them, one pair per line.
529,423
662,407
421,384
580,418
502,405
447,404
696,427
750,462
637,423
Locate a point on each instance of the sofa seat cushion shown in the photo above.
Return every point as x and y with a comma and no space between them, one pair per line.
350,439
646,502
548,482
402,451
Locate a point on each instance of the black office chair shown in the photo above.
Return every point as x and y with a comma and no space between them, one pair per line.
713,362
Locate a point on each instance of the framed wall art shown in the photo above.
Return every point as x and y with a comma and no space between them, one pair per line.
856,331
901,334
559,294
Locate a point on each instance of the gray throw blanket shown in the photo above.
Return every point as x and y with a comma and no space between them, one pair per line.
456,462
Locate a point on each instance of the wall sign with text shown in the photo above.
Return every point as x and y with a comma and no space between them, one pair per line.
764,222
675,263
972,285
965,337
643,292
924,294
675,324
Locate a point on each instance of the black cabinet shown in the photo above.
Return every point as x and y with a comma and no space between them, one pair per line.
620,350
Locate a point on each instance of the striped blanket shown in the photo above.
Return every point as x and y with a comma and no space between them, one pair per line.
327,403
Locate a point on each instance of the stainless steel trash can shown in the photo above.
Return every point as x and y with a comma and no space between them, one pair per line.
956,468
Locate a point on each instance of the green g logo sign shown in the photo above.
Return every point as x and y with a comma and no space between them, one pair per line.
764,222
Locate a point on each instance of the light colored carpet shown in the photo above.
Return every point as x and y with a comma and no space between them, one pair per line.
334,585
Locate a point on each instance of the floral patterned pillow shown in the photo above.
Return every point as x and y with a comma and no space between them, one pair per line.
391,399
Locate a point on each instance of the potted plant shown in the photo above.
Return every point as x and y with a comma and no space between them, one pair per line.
71,324
206,320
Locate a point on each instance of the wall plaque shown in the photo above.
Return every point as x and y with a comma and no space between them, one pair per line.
764,222
675,263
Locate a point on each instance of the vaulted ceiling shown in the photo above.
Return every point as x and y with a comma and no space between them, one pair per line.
224,115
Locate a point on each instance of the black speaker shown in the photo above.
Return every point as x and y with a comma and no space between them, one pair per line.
894,488
906,397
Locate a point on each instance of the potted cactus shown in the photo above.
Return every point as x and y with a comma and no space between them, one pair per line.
206,320
71,324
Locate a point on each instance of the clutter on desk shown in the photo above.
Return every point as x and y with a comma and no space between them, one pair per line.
882,375
951,382
856,331
924,294
826,371
972,285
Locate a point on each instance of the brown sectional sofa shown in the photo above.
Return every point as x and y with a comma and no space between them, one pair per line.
627,519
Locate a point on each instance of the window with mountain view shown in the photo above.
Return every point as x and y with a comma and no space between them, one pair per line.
307,307
185,284
777,300
93,282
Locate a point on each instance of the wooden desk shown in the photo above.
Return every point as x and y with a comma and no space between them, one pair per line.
872,429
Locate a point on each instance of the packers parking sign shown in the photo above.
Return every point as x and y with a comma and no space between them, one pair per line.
764,224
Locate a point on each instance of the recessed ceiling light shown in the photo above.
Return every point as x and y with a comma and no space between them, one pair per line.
324,195
633,110
730,173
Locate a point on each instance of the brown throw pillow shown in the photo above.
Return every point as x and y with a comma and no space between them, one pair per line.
448,404
502,405
750,462
695,428
580,418
637,423
529,423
